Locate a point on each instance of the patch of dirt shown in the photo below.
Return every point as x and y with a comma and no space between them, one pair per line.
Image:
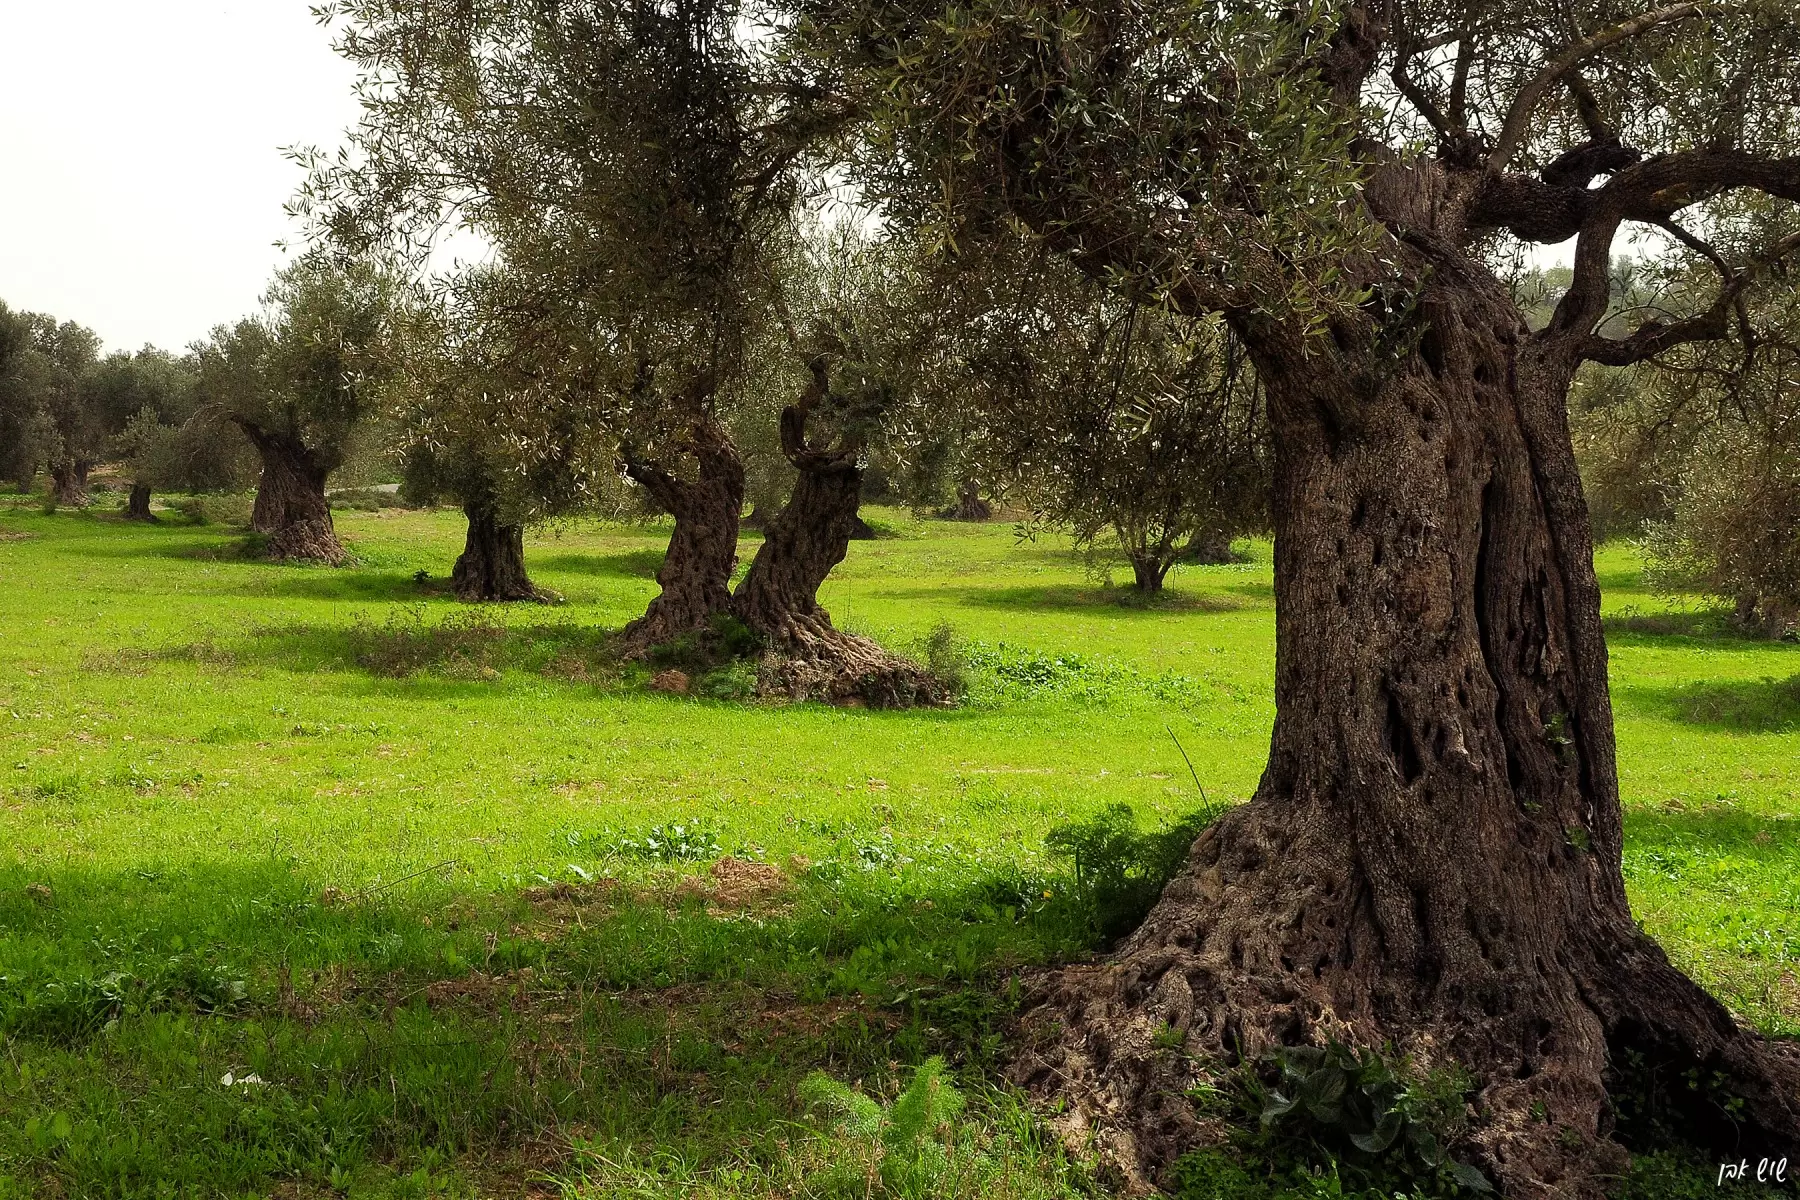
739,885
10,535
674,682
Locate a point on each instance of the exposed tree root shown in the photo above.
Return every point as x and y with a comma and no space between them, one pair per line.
307,540
808,659
1270,937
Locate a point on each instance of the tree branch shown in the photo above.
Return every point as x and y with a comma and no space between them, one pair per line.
1518,114
1657,337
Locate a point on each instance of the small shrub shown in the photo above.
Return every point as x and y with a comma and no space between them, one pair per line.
366,499
725,640
1120,870
947,659
463,646
906,1148
734,681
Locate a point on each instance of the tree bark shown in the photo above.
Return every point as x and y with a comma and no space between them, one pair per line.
779,597
969,504
1433,856
137,508
291,509
69,481
696,572
492,564
1148,570
1208,548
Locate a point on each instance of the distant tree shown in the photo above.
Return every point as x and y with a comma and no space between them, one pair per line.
473,426
58,365
628,167
27,435
300,382
142,401
1113,419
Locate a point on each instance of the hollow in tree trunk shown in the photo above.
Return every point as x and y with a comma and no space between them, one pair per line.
492,564
1433,856
137,507
696,572
291,508
779,596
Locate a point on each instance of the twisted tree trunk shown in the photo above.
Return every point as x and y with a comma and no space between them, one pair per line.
1149,569
137,507
69,480
492,564
291,508
779,597
1433,857
696,572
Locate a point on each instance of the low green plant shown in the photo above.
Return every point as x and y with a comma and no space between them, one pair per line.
724,640
909,1147
1121,870
223,509
678,841
462,646
948,659
1337,1120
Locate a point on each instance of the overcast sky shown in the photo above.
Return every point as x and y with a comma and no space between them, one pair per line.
141,175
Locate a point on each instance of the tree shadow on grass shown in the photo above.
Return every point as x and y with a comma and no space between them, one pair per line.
1766,705
374,1021
631,564
1705,624
1124,603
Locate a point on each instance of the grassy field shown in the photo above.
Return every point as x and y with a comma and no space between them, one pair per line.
317,883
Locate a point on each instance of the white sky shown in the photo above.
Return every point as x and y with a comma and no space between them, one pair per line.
141,175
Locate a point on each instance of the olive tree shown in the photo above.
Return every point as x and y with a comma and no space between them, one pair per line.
300,381
626,165
1113,419
1433,856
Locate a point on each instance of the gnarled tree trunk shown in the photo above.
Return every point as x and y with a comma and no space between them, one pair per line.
696,572
969,504
137,507
1433,855
779,596
1207,548
492,564
291,508
1148,570
69,481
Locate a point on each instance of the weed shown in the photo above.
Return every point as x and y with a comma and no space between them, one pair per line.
1120,870
1332,1120
690,841
947,659
461,646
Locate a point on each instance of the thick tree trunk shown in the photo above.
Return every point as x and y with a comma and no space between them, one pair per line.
69,483
492,564
1432,859
1148,570
696,571
137,508
779,597
1208,548
291,508
969,504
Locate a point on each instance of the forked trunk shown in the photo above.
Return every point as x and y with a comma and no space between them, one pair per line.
1148,570
291,509
1432,858
492,564
696,572
137,508
69,481
779,597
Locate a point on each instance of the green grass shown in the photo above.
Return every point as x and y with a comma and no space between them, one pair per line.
447,918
